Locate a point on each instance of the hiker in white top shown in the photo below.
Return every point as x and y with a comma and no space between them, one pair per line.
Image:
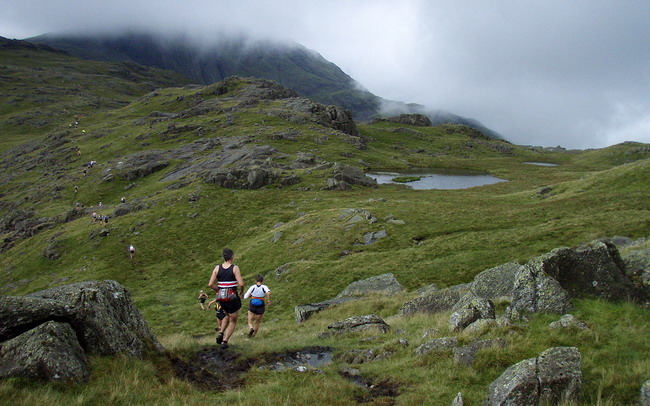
131,251
257,305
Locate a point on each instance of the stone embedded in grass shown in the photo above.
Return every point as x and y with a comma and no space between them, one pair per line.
356,324
443,343
569,321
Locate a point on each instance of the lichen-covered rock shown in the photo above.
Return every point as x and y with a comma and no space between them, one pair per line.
20,314
462,318
356,324
637,267
48,352
535,291
106,320
469,309
435,302
569,321
495,282
560,375
553,377
443,343
386,283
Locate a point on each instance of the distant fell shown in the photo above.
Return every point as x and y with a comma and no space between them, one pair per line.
289,64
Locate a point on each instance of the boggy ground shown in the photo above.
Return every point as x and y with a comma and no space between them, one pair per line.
216,370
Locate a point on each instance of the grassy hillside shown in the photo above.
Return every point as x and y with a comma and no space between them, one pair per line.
182,225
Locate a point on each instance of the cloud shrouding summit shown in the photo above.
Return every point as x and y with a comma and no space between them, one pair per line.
575,74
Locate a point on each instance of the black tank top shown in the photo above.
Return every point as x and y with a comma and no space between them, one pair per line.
226,277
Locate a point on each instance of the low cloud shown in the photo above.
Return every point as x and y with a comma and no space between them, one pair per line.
542,73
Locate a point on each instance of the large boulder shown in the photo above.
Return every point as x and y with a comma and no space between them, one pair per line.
106,321
552,378
383,284
496,282
435,302
49,352
594,269
352,176
20,314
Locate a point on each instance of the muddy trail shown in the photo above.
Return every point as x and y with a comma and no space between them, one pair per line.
206,368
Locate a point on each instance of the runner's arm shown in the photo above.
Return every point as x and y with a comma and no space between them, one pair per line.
213,279
240,281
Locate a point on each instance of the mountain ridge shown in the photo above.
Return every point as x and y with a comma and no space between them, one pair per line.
291,65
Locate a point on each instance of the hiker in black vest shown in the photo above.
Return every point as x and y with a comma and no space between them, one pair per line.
225,280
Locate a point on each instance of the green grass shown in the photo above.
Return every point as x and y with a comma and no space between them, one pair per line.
179,239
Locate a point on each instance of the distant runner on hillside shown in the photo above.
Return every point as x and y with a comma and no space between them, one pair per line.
225,280
203,297
257,305
131,251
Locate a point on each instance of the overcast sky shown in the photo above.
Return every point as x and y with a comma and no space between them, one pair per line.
553,72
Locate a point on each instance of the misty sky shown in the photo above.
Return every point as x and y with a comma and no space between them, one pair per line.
552,72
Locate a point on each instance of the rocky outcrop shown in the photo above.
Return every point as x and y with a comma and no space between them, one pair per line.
356,324
105,319
548,282
496,282
48,334
552,378
48,352
21,314
380,284
345,175
140,164
419,120
535,291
